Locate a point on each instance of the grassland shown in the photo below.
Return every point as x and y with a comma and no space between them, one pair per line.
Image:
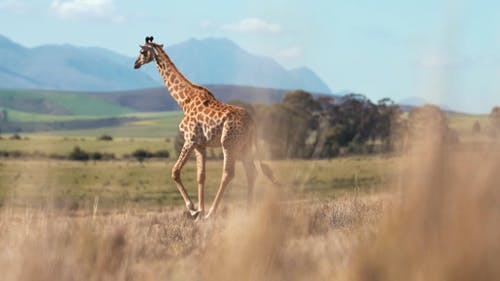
127,182
121,184
148,125
60,103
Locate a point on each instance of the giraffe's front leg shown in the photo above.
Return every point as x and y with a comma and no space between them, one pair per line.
200,177
176,176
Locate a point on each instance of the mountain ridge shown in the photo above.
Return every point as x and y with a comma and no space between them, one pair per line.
204,61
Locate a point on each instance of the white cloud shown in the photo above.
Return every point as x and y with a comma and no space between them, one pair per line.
253,25
292,52
87,9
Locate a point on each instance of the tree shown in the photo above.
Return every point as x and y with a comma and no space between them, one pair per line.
429,122
495,118
286,127
141,154
78,154
300,100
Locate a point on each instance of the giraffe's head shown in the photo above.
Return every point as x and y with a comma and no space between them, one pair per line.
147,52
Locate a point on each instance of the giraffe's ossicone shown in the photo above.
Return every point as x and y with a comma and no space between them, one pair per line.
207,122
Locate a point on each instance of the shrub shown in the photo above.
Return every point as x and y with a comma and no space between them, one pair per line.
141,154
105,138
15,137
162,154
13,154
78,154
96,156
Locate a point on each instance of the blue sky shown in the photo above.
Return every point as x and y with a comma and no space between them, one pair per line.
446,52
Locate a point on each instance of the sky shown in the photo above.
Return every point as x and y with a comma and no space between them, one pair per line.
444,51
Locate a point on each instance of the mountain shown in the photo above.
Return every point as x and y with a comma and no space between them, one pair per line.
221,61
65,67
413,101
207,61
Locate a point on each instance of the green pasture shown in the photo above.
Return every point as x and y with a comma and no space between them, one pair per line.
60,145
74,103
128,183
149,125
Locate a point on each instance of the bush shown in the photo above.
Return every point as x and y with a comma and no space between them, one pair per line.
141,154
15,137
105,138
161,154
13,154
78,154
96,156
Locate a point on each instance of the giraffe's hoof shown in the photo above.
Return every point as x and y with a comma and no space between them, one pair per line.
200,217
195,214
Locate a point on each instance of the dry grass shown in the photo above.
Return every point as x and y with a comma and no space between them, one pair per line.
446,225
260,244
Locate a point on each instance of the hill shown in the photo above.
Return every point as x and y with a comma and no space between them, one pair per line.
66,67
61,103
207,61
158,99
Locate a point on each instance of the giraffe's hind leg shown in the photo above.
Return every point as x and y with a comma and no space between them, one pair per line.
200,177
227,176
250,173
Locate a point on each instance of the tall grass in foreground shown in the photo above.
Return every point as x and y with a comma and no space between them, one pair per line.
446,223
442,223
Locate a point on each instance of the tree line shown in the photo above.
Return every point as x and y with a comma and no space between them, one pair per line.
304,126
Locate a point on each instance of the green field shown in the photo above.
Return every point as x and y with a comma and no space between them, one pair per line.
57,145
130,183
152,125
58,103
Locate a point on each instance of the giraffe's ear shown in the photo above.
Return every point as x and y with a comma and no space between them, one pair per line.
161,45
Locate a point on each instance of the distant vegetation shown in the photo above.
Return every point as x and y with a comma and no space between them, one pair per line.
105,138
302,126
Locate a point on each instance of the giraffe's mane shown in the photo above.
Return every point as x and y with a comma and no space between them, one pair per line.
161,52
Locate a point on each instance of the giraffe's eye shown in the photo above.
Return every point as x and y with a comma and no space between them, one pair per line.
143,52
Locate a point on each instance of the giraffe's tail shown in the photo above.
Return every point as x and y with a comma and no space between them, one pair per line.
266,170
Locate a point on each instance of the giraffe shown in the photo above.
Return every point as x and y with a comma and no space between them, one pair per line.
207,122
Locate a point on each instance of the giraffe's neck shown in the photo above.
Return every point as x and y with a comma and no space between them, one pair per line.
179,86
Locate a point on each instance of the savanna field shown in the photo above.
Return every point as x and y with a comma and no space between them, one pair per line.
428,212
